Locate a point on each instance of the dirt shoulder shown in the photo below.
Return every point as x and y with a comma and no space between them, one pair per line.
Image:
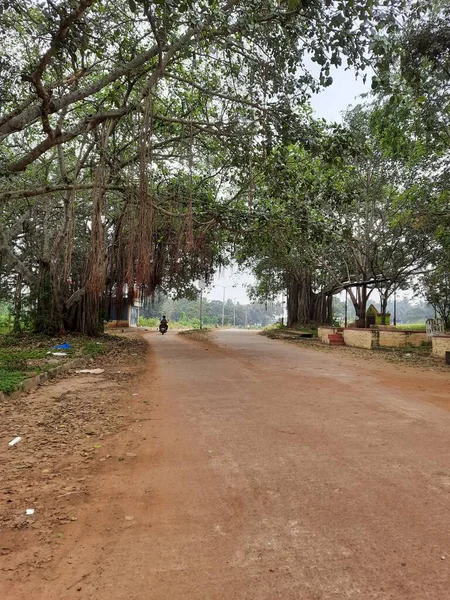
68,428
405,357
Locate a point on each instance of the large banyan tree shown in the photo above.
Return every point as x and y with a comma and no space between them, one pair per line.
130,131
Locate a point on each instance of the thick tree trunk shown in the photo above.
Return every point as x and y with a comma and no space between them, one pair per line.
304,306
360,305
84,313
49,301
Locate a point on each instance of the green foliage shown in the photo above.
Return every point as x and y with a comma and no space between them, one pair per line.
435,287
144,322
10,380
18,360
190,120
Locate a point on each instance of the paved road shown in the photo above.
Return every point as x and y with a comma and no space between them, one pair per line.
272,472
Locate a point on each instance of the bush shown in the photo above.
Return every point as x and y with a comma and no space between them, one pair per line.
144,322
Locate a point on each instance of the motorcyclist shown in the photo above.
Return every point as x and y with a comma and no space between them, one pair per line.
163,321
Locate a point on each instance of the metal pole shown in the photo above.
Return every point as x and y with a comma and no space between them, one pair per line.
395,308
223,306
201,309
346,306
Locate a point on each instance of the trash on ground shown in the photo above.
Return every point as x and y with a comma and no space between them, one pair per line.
59,353
29,512
65,346
135,394
129,518
91,371
15,441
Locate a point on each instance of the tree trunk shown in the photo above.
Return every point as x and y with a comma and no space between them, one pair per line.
17,327
304,306
383,303
49,300
43,318
360,304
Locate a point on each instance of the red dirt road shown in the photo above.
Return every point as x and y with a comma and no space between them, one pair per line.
266,471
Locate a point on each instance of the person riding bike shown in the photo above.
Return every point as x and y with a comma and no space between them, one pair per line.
163,321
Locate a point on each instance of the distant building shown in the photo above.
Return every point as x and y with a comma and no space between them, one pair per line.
129,314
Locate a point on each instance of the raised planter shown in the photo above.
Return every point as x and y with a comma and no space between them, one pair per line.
361,338
32,382
398,339
441,345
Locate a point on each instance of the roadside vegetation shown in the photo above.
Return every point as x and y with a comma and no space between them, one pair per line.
26,355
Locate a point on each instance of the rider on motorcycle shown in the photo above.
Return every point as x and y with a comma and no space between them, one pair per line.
163,326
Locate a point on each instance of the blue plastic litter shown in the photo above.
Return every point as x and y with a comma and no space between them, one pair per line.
65,346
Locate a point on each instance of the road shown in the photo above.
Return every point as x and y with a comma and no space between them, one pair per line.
269,471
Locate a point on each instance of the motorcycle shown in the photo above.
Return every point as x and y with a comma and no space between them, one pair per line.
163,328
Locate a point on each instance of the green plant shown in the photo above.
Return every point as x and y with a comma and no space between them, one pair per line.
93,348
144,322
16,360
10,380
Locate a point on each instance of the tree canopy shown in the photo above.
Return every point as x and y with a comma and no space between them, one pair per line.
145,144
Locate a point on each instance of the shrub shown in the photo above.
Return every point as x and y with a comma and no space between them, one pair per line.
144,322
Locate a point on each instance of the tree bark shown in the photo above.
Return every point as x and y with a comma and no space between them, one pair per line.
306,307
17,327
360,305
44,289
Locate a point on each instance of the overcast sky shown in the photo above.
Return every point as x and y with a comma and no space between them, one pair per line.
329,104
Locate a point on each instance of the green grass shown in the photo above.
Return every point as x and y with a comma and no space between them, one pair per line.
413,326
10,380
92,349
25,355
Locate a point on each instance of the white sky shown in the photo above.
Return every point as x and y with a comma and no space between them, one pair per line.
329,104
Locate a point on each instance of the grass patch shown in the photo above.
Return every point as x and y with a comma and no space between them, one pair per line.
10,380
90,348
412,326
25,355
